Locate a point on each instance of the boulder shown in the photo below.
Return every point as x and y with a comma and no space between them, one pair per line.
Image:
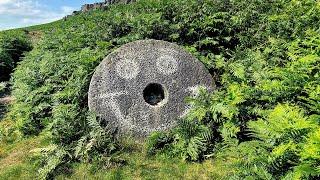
86,7
141,87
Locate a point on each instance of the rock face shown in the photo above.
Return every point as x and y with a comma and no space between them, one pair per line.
88,7
141,87
101,5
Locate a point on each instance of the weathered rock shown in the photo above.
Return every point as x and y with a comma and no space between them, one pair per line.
86,7
102,5
141,87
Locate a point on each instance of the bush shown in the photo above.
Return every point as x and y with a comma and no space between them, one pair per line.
266,108
263,55
283,139
98,146
12,47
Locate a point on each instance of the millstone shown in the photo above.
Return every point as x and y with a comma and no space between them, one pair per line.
141,87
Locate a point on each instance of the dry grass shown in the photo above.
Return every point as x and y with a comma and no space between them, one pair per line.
35,36
6,100
16,160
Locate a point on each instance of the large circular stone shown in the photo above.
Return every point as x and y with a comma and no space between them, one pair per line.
141,87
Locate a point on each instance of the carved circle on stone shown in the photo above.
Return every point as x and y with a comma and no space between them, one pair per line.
167,65
127,69
141,87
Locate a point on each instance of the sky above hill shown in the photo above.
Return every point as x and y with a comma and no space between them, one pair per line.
22,13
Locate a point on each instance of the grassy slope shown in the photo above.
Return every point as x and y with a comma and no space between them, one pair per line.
41,27
17,161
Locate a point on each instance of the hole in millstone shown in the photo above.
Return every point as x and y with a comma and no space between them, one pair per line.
153,94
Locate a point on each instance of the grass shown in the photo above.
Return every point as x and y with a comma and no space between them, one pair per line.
36,32
141,166
17,162
40,27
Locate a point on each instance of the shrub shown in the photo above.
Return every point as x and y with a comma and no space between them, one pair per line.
263,135
278,151
157,142
189,141
97,145
12,48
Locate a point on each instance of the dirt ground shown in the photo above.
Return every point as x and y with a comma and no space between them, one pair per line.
5,100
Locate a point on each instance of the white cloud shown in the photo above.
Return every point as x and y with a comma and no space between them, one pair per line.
4,2
20,7
29,12
67,9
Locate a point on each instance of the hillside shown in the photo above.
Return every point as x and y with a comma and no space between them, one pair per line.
262,121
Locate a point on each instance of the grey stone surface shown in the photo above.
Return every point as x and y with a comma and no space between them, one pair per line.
101,5
118,90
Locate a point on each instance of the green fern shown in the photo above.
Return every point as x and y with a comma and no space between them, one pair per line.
283,123
191,139
52,157
310,157
158,142
98,144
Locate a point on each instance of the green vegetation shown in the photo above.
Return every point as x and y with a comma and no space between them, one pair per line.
12,47
262,121
20,161
16,161
3,86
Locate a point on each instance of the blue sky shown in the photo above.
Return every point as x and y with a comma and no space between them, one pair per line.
22,13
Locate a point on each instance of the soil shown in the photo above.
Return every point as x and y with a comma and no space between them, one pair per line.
5,100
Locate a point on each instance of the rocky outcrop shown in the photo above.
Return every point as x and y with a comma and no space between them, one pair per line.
102,5
88,7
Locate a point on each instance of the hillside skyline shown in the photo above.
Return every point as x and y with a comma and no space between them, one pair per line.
22,13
